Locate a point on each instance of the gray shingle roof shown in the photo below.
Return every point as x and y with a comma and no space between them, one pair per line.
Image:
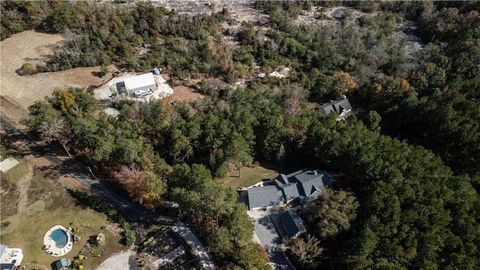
340,106
311,182
62,263
292,224
326,108
282,178
263,196
289,191
300,184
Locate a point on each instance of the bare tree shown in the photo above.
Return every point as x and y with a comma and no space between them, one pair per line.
56,130
305,250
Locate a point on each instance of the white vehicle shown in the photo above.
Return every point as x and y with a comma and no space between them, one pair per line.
156,71
143,92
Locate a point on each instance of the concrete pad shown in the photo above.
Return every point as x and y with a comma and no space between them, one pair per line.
7,164
105,91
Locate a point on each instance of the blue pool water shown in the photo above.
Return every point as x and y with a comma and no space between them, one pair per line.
60,237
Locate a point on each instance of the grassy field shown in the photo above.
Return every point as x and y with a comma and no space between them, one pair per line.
248,177
49,205
8,182
15,173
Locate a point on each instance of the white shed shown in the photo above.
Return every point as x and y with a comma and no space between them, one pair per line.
140,82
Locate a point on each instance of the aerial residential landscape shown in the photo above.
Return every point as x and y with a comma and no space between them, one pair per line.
244,134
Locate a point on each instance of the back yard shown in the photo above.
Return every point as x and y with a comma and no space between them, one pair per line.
247,177
47,204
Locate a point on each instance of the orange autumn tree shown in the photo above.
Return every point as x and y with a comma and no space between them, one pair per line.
143,187
344,83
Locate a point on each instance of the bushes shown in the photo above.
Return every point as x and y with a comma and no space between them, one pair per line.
107,209
128,234
27,69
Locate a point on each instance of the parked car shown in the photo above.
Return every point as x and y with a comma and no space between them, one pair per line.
142,93
156,71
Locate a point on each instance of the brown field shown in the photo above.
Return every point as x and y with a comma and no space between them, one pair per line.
30,46
183,93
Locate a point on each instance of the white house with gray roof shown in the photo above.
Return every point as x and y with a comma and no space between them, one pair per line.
303,185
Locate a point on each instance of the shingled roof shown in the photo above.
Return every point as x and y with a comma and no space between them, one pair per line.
301,184
292,224
340,106
265,196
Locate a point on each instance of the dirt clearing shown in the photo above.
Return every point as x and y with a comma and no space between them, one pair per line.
183,94
30,46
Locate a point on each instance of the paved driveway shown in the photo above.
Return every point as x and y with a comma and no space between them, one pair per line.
268,236
195,245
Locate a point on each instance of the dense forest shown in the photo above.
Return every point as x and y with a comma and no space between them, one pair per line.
408,161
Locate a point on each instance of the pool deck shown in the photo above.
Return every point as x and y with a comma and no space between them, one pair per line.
50,245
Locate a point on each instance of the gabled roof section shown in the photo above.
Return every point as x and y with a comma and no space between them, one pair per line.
292,224
263,196
312,181
289,191
326,108
282,179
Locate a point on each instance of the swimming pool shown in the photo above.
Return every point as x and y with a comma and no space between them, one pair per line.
60,237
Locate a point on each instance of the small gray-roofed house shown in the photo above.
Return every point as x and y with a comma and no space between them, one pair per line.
62,264
263,197
340,106
292,224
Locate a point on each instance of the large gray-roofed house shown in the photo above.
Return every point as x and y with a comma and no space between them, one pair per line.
263,197
303,184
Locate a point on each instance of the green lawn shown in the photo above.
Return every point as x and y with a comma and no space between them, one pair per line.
248,177
50,204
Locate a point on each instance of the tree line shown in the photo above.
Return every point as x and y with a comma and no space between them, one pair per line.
412,209
409,159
